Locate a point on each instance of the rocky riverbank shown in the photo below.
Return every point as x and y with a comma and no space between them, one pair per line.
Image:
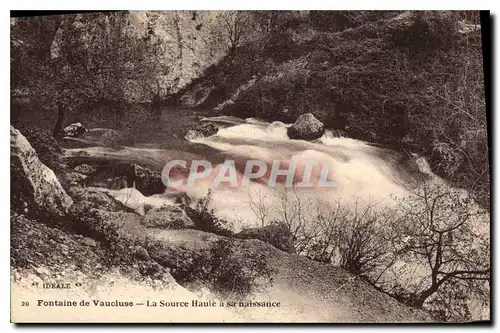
85,226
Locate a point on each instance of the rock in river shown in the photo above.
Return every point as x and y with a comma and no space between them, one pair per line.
75,129
201,130
306,127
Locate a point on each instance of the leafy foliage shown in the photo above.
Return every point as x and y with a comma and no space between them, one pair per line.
84,58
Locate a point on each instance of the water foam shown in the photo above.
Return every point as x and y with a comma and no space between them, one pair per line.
358,169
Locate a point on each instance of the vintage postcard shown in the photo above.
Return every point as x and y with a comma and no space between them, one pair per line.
249,166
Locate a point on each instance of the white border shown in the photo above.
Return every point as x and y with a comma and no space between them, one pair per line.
199,5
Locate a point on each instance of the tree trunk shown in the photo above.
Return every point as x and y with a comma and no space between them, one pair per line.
58,132
47,40
420,300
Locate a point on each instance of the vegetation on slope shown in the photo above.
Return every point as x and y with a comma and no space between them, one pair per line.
409,80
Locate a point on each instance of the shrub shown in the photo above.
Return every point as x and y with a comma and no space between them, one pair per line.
338,20
277,234
361,242
204,217
356,238
228,272
428,31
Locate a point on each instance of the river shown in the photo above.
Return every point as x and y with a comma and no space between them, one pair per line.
362,172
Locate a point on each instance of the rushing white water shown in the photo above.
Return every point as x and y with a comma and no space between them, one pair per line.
360,171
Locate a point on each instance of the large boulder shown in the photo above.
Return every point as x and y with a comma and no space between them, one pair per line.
33,183
148,182
276,234
117,177
130,198
75,129
95,197
201,130
306,127
167,217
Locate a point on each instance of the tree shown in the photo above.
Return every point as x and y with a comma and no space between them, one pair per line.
291,211
235,24
364,240
65,61
355,236
432,248
34,65
442,228
269,21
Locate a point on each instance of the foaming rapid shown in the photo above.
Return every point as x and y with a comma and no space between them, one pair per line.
361,172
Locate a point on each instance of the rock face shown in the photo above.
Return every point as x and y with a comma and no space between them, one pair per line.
201,130
167,217
306,127
276,234
32,181
75,129
130,198
148,182
94,197
117,177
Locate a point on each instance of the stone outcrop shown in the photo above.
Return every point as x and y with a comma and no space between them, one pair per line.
33,183
276,234
167,217
130,198
75,129
120,176
306,127
148,182
94,197
201,130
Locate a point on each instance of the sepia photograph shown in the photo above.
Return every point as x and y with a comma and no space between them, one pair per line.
250,166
